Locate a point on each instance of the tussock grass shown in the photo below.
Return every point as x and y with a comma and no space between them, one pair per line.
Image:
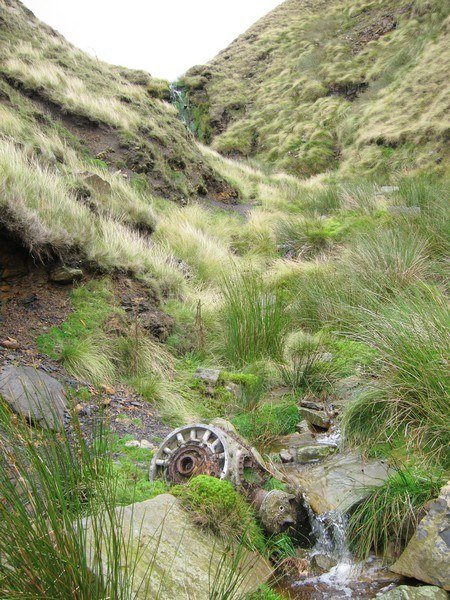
307,91
253,318
385,520
389,260
410,396
38,206
305,364
193,237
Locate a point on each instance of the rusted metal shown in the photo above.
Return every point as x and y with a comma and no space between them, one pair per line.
220,452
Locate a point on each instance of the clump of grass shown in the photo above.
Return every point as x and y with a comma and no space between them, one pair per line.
263,425
79,342
385,520
306,364
306,238
216,505
48,482
411,341
253,320
389,260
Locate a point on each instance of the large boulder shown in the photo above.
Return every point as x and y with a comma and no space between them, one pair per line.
177,559
427,556
407,592
337,483
33,394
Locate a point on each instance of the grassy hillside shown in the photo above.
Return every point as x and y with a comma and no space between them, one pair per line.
294,288
67,122
319,85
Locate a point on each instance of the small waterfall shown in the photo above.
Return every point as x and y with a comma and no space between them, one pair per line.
180,101
345,577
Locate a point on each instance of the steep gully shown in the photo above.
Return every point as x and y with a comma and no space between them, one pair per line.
332,572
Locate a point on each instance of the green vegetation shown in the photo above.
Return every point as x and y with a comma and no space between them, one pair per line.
267,422
216,505
342,84
386,519
342,274
254,320
49,482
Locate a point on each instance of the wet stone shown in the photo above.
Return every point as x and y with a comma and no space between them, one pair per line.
407,592
310,454
318,418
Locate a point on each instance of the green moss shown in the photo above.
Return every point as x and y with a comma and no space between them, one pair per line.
219,507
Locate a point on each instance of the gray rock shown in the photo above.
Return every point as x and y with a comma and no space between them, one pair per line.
338,483
318,418
388,189
286,456
33,394
223,424
177,559
209,376
97,184
65,275
310,454
145,444
407,592
311,405
427,556
302,427
324,562
412,211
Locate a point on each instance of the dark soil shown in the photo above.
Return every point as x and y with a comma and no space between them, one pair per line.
30,305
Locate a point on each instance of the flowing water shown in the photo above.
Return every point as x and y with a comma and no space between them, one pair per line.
334,572
344,578
179,100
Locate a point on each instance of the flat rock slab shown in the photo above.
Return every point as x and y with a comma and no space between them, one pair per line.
34,394
177,558
407,592
310,454
336,483
427,556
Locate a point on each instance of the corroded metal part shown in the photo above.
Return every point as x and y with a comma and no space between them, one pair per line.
191,450
277,510
217,450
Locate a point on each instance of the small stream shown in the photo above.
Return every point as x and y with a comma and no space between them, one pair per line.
334,572
180,101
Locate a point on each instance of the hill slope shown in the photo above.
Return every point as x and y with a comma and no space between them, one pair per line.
86,147
317,85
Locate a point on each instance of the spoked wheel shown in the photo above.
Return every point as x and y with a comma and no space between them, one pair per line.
189,451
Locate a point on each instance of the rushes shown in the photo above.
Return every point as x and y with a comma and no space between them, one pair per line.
385,520
253,319
410,395
48,481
